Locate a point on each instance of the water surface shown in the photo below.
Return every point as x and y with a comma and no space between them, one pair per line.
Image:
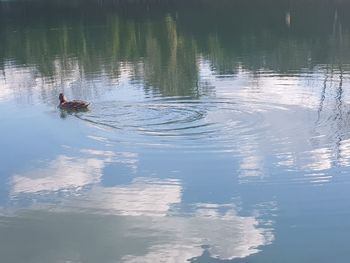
216,132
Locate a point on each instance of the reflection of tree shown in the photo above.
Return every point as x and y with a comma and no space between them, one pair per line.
162,48
56,50
339,115
170,65
334,118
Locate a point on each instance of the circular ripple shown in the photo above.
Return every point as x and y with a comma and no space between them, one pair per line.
216,121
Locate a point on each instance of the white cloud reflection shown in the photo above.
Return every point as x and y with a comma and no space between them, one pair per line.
251,163
147,197
150,209
71,173
91,237
62,173
295,121
344,158
14,80
225,235
318,159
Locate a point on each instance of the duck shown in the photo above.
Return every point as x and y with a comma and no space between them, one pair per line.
72,105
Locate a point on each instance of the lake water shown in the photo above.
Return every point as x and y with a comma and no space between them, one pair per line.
217,131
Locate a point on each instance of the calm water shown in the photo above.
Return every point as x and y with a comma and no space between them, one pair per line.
218,131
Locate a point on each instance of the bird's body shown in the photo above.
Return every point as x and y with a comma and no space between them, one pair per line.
72,105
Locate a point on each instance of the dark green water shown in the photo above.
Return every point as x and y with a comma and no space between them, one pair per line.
217,131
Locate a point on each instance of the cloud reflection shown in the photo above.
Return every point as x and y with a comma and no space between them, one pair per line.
71,173
62,173
147,211
226,236
147,197
284,121
73,236
14,80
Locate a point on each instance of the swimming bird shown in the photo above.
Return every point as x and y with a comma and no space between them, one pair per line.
72,105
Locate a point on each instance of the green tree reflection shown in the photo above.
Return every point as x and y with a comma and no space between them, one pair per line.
163,44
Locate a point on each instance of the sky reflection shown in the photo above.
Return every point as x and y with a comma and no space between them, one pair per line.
215,132
70,173
162,225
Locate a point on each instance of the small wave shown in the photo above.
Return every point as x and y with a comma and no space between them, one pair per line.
216,121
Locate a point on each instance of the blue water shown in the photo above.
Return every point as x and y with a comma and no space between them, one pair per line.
205,141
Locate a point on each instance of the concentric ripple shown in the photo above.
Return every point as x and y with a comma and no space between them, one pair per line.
213,120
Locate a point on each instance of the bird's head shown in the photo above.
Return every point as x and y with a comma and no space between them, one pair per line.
61,98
